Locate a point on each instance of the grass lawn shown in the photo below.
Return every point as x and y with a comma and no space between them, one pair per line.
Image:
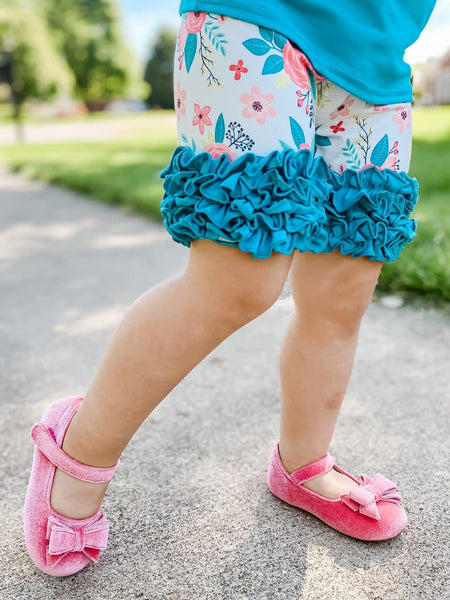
123,171
126,171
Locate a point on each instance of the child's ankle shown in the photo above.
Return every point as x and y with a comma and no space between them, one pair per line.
89,450
74,498
293,459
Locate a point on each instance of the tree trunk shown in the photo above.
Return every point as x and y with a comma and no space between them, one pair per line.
20,131
17,114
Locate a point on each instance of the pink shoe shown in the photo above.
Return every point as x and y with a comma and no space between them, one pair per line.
370,512
57,544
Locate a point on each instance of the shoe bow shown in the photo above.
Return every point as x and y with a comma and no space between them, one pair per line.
64,539
370,491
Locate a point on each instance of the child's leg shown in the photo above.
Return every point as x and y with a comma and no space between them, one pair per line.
171,328
165,333
331,293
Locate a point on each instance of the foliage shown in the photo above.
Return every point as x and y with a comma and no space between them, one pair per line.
87,33
38,70
159,70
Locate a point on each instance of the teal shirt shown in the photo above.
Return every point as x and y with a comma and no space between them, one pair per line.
358,45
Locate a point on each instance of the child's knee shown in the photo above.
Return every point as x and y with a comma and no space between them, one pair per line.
236,287
344,311
342,297
250,299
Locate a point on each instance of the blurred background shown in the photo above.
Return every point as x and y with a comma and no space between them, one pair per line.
69,57
86,102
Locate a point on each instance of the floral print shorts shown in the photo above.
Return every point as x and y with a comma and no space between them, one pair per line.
273,157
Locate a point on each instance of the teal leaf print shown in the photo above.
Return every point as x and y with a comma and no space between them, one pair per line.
266,34
380,152
312,83
284,145
322,140
216,38
351,154
273,64
190,49
256,46
297,133
219,133
184,139
279,40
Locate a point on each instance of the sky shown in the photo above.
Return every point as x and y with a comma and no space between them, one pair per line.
143,18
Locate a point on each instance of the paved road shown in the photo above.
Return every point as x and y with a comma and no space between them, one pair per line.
191,517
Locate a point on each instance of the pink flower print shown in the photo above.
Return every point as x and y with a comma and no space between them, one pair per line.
258,105
182,36
370,165
218,149
378,107
221,19
194,21
201,117
296,65
340,169
391,163
238,69
402,117
180,97
338,127
304,146
342,110
300,98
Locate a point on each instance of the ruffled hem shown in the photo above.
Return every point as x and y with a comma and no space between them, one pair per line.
287,201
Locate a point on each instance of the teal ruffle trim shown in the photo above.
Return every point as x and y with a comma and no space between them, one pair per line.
287,201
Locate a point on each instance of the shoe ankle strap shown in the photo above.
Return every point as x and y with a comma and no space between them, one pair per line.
314,469
45,441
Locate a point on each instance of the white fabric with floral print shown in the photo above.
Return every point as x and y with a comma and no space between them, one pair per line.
240,88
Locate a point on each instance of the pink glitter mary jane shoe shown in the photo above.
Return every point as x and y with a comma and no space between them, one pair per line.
370,512
59,545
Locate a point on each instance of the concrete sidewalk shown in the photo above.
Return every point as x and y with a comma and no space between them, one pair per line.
190,513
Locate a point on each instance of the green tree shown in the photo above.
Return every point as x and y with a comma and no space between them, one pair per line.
88,34
159,70
37,70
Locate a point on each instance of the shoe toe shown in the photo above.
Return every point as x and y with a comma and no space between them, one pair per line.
393,520
69,565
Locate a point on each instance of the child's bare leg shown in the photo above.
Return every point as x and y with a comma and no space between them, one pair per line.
331,294
164,335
